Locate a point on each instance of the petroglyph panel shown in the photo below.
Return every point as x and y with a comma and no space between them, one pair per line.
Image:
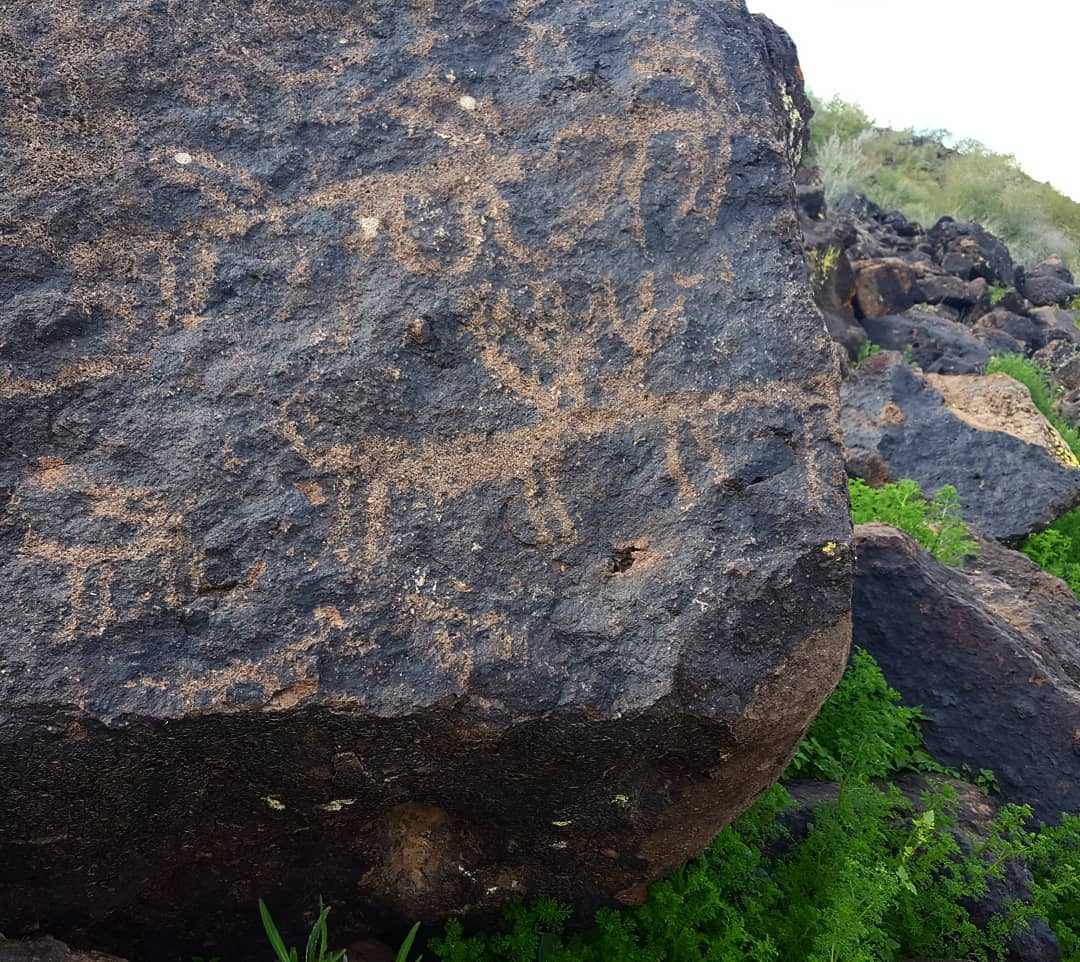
439,364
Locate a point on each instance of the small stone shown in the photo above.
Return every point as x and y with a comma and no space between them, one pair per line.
182,158
467,103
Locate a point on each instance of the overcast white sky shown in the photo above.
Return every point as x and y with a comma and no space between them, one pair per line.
1005,74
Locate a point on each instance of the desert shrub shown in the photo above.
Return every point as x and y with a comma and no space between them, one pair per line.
936,524
862,731
1057,549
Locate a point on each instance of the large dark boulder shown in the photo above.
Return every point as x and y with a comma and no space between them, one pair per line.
992,654
421,469
982,434
968,251
1048,283
935,343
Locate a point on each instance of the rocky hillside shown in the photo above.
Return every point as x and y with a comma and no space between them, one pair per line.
990,650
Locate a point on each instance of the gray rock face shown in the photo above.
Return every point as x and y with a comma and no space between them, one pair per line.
937,344
991,654
1013,473
1048,283
422,481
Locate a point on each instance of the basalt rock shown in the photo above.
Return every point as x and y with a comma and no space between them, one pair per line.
968,251
422,479
1048,283
934,343
991,654
982,434
47,950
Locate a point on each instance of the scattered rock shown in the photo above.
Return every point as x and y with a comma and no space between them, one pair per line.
883,287
1060,325
448,490
968,251
1010,468
935,343
1049,283
1027,334
990,652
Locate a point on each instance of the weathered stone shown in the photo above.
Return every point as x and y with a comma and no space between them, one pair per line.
981,434
1048,283
1060,325
991,654
47,950
832,281
935,343
434,484
1029,332
969,251
885,286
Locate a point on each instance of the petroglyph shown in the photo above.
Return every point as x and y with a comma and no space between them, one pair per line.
125,524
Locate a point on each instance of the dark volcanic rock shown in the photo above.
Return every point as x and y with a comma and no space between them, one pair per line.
968,251
885,286
1049,283
937,344
47,950
983,435
421,468
991,653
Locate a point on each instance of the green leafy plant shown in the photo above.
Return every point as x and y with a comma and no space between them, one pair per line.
997,295
936,524
316,949
862,731
868,350
870,876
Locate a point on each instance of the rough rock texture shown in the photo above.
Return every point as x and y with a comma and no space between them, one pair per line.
47,950
936,343
885,286
996,402
421,470
898,424
1049,282
969,251
991,652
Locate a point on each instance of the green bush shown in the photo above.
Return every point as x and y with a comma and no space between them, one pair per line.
871,879
936,524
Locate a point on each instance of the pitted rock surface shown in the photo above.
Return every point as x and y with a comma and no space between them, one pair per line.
989,651
421,471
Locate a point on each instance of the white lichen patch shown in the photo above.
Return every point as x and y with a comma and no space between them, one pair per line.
275,803
369,227
183,158
337,804
467,102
